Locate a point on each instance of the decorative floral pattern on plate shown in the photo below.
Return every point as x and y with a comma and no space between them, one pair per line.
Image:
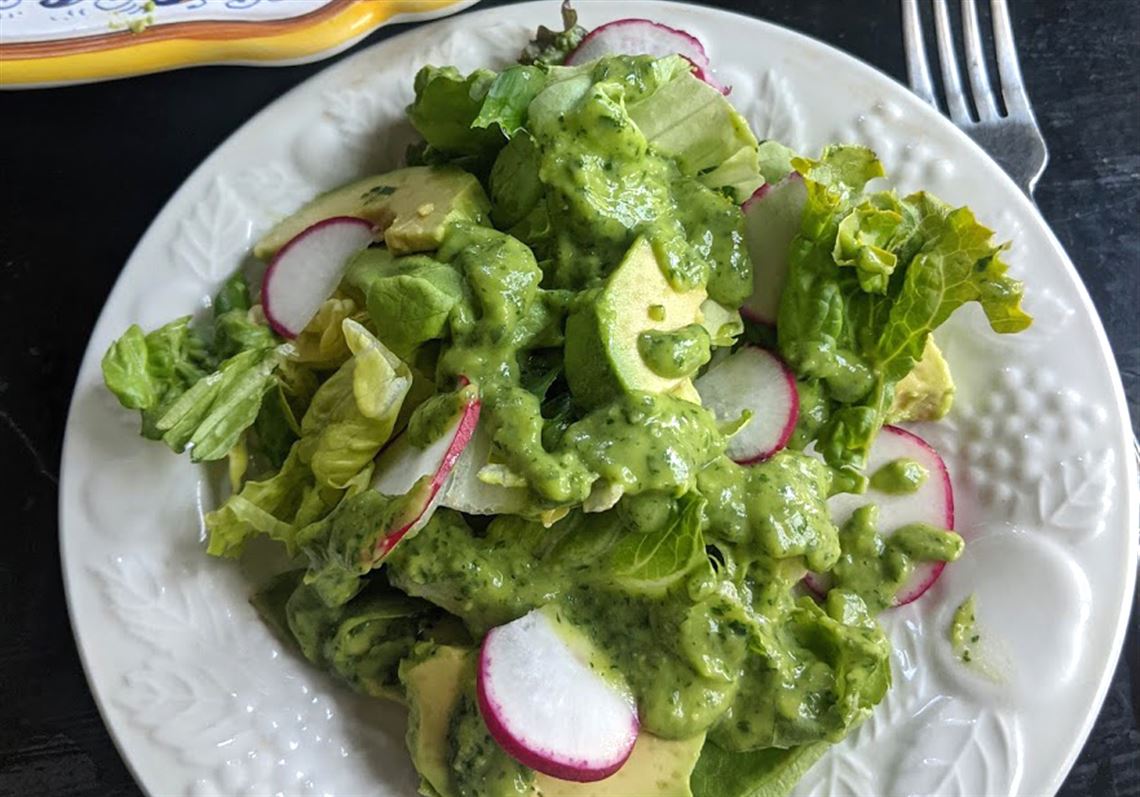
259,725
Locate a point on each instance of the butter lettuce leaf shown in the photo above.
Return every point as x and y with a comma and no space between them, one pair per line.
771,772
508,98
446,106
148,371
353,412
651,561
211,415
870,278
193,389
321,343
349,418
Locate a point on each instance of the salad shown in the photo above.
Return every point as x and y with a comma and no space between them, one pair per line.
579,431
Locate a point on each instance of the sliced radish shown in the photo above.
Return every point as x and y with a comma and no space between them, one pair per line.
306,271
932,503
547,706
420,474
754,380
772,217
466,492
644,37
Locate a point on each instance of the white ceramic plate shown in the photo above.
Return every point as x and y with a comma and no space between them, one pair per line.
202,700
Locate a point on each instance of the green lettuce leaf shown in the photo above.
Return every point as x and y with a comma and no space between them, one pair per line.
775,160
349,418
870,278
412,307
147,372
516,188
211,415
153,372
446,106
771,772
551,47
238,325
508,98
279,507
353,413
361,641
321,343
694,123
650,562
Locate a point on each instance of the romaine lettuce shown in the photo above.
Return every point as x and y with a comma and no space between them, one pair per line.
870,277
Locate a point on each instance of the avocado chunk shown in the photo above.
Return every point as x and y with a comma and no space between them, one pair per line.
433,682
411,207
433,687
656,768
602,356
927,392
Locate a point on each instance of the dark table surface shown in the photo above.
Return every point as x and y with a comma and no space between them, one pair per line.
83,170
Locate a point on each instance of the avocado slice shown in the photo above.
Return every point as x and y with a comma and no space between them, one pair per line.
927,392
656,767
411,207
602,358
433,687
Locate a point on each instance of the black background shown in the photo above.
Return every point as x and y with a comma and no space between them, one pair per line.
83,170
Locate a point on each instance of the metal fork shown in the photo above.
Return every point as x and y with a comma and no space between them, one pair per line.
1013,138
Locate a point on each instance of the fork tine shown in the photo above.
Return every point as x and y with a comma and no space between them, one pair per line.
951,83
976,63
1009,70
917,70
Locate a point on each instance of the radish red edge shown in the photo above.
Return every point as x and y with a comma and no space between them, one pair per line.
546,761
928,572
758,381
694,52
935,568
698,49
290,246
793,414
757,195
422,512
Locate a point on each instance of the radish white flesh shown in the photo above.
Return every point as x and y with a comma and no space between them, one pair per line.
643,37
932,503
307,270
758,381
547,707
401,466
772,217
466,492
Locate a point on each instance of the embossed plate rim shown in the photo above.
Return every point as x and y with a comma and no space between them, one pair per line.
107,664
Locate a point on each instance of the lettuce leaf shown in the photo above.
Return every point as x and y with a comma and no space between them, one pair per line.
771,772
166,374
321,343
870,277
550,46
149,371
694,123
211,415
412,308
650,562
348,420
446,105
353,413
508,98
